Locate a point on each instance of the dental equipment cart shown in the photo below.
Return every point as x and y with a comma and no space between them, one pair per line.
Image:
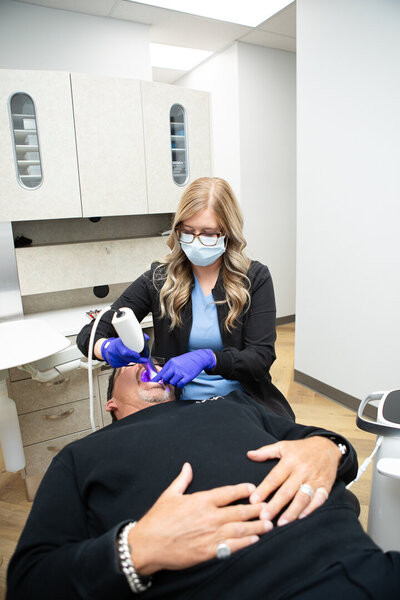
384,509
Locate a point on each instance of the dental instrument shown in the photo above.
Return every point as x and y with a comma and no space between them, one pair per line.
129,330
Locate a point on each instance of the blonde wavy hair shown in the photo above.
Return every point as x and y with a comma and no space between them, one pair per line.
175,271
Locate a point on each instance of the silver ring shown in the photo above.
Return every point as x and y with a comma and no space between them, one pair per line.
306,489
223,550
323,491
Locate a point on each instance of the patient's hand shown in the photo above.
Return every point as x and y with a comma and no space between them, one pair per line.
180,530
313,460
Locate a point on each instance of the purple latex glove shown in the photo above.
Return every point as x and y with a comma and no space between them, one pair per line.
184,368
117,355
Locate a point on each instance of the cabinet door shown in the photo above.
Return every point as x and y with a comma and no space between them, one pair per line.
176,152
109,136
38,166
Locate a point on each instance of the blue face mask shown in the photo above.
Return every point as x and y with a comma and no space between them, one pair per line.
202,256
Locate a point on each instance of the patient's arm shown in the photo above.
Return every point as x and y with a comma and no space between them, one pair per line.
182,530
57,558
306,455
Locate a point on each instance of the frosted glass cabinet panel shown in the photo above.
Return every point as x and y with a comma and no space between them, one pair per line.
179,147
38,166
26,141
175,154
109,137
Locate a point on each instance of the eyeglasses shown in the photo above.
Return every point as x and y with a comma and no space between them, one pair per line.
207,239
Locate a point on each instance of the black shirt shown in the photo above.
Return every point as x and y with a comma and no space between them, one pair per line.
96,484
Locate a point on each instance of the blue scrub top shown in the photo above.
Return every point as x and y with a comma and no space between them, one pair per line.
205,333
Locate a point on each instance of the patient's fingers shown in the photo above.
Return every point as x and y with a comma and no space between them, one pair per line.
302,505
241,512
236,544
265,452
230,493
274,480
300,502
180,483
286,492
240,529
320,497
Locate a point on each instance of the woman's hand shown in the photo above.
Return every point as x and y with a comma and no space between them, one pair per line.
182,369
313,461
181,530
116,354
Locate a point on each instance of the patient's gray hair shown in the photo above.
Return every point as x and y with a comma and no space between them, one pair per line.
110,390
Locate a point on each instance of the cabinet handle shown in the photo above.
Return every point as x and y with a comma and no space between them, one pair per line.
63,415
55,448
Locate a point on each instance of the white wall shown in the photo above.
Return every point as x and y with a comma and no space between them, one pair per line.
39,38
253,139
267,101
219,75
348,251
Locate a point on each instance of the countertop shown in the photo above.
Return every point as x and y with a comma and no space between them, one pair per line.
69,321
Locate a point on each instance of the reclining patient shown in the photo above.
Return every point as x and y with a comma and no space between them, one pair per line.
206,535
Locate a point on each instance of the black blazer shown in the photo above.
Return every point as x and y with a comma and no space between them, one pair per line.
248,351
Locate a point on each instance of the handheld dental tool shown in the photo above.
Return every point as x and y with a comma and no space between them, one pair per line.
129,330
131,334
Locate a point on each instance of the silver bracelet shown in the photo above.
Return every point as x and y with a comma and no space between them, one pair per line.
136,583
342,447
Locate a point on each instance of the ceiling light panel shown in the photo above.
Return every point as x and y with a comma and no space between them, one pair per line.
176,57
250,13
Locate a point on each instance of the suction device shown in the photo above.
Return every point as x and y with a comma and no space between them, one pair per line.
384,510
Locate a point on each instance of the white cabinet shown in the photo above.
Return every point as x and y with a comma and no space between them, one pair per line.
172,145
37,185
85,145
109,137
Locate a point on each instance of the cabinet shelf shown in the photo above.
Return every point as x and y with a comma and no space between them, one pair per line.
26,148
28,163
26,116
37,177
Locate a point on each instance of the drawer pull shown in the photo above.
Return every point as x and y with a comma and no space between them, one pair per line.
63,415
55,448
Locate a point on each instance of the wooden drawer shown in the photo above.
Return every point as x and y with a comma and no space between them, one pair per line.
49,423
32,395
39,456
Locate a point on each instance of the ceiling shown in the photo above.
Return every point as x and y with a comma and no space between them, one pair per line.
187,30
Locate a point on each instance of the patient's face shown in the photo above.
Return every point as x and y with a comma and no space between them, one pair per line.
131,394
